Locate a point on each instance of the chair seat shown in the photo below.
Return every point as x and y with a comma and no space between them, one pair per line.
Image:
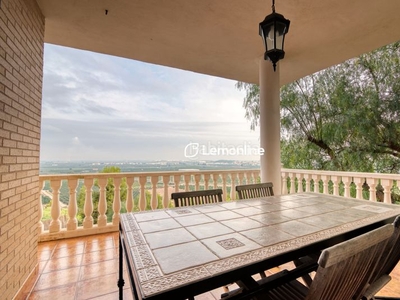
293,290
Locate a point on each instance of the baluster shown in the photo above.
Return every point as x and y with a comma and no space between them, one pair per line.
166,180
142,201
300,183
358,182
307,178
386,184
55,224
215,180
372,188
325,184
40,213
187,178
72,223
292,183
284,184
88,206
197,178
224,175
233,186
316,179
241,177
335,180
206,181
117,201
346,181
102,218
129,196
177,179
154,201
248,177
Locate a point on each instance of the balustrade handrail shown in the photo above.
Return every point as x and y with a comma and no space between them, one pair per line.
343,173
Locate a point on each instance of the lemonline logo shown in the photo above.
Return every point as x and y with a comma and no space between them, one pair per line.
194,150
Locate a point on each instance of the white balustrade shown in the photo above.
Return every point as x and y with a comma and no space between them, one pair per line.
143,191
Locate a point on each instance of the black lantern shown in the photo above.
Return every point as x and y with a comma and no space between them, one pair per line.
273,30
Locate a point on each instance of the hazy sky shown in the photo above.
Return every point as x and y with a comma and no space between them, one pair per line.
100,107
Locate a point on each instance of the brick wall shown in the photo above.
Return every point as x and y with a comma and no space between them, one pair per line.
21,70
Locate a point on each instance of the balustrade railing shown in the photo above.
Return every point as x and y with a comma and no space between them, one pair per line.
80,204
368,186
85,204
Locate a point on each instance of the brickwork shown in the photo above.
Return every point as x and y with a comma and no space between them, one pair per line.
21,71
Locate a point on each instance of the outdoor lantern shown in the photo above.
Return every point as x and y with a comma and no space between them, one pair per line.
273,30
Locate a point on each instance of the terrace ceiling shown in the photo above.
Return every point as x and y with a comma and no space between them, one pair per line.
220,37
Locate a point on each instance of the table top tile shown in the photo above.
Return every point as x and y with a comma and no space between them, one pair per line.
267,235
270,218
194,220
209,230
158,225
241,224
168,237
224,215
182,256
296,228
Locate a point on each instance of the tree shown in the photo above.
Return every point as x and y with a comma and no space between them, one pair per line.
343,118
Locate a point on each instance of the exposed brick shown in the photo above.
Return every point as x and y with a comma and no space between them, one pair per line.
21,75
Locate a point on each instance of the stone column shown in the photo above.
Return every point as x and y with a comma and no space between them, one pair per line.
270,125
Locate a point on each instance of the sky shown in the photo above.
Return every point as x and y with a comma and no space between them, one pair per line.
98,107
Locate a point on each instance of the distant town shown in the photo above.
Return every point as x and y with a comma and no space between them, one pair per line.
59,167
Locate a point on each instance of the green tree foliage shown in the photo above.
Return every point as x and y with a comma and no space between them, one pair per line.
343,118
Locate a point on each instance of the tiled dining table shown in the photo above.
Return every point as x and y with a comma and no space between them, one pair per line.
181,252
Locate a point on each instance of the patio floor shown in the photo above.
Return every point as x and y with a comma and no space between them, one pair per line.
87,268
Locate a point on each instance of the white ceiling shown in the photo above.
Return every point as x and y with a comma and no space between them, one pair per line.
220,37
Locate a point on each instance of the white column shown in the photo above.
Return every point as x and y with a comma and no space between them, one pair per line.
270,119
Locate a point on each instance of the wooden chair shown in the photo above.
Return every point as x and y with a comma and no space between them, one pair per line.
197,197
389,259
255,190
343,272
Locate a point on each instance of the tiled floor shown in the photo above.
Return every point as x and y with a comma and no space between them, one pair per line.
87,268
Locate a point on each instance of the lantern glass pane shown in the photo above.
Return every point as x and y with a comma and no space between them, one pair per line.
270,40
280,30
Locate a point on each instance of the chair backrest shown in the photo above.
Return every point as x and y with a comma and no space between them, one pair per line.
248,191
345,269
391,255
197,197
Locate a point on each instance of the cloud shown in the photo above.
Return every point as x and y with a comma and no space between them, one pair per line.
99,106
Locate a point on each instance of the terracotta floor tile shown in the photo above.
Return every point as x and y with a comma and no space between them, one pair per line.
44,255
71,242
96,287
99,245
98,269
68,251
63,263
47,246
97,256
66,292
57,278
